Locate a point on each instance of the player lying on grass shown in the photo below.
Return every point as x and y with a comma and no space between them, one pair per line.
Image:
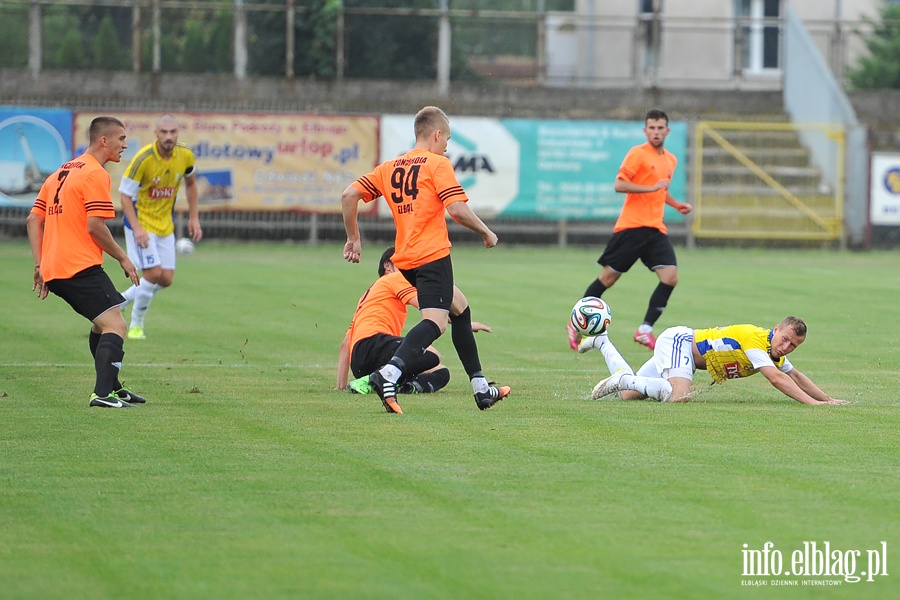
376,329
725,352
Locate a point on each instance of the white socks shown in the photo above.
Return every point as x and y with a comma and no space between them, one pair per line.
129,295
143,295
652,387
644,328
480,385
614,360
390,373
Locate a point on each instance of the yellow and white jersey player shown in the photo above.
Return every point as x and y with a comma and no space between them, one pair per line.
148,192
725,352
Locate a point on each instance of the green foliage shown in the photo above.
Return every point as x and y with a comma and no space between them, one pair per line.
13,37
107,50
314,40
194,58
881,68
71,53
315,53
247,476
219,44
63,42
391,47
194,40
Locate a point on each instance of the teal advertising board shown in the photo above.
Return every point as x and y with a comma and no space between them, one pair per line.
567,169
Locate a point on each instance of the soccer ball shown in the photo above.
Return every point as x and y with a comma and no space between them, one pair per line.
184,246
591,316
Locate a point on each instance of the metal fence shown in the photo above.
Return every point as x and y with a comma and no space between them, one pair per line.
291,39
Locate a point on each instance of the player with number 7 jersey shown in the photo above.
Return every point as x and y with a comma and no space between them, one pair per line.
418,186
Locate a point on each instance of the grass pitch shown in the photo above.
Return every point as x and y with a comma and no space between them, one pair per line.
248,476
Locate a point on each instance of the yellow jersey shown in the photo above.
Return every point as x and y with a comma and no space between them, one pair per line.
152,182
737,351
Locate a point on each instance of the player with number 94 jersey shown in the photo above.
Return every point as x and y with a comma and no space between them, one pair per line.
417,186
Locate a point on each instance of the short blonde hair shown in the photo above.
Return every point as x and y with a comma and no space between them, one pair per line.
428,120
795,323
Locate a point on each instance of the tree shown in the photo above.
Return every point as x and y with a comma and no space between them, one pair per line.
193,57
108,53
391,47
14,38
71,52
314,39
219,43
881,68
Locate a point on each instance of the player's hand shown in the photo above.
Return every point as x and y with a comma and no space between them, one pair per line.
685,208
662,184
39,285
194,230
141,238
490,239
352,251
835,402
131,271
476,327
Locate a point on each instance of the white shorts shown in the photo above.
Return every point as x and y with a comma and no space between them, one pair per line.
672,356
160,251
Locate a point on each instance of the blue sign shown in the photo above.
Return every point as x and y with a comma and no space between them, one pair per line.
34,142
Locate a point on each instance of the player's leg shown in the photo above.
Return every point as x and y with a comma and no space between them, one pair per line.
430,375
668,375
618,257
486,395
92,294
134,253
434,287
157,274
427,382
615,362
659,257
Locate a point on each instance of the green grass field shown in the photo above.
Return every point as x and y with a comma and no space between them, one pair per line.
248,476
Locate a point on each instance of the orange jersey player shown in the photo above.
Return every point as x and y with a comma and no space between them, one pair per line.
639,232
68,235
418,187
375,334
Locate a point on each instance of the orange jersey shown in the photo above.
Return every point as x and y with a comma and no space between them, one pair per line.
417,187
382,309
644,166
76,191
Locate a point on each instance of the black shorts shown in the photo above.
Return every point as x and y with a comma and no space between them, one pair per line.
371,353
649,244
433,282
90,292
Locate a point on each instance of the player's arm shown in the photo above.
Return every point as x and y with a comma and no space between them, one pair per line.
343,368
682,207
35,226
629,187
806,384
350,209
462,214
99,232
192,192
785,384
128,190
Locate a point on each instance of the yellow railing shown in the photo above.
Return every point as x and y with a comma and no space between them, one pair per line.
763,186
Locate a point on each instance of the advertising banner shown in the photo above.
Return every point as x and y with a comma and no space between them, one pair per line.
260,162
34,142
541,168
884,208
